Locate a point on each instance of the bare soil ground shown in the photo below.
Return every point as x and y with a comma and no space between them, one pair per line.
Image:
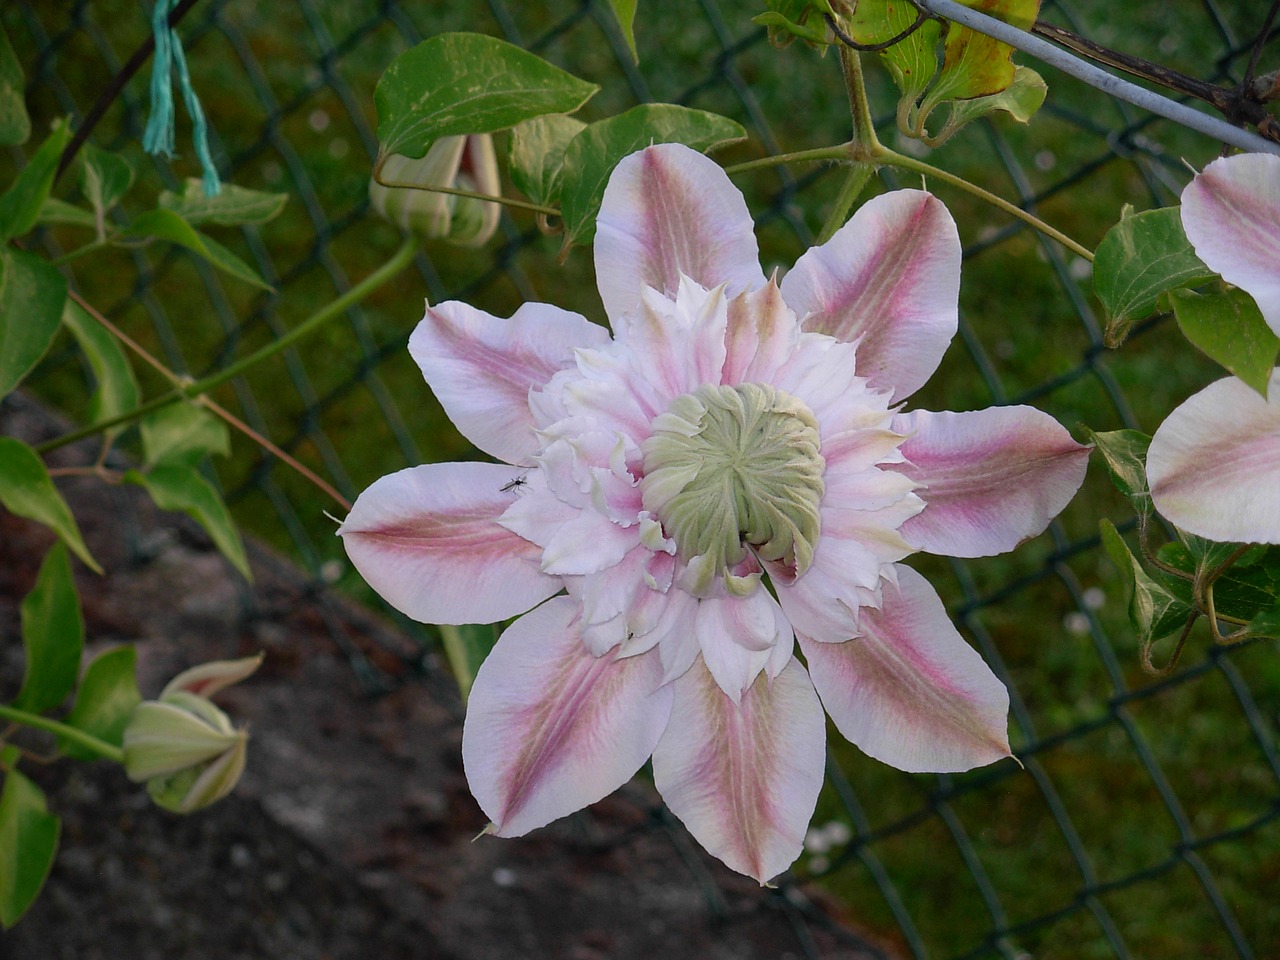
351,834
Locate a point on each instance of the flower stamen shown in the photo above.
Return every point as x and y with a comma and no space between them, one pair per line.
735,468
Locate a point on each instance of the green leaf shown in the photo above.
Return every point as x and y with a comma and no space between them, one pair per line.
624,11
973,64
1228,326
57,211
912,62
1243,591
1267,623
15,124
117,390
181,488
52,635
782,29
105,701
27,491
1125,454
1020,100
20,205
466,646
591,156
32,292
29,840
1141,257
1154,610
461,83
536,153
231,207
167,225
105,177
182,433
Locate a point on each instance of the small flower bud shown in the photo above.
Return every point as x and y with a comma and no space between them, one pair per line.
463,163
182,746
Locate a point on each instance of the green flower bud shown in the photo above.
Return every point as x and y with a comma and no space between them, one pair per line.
182,746
463,163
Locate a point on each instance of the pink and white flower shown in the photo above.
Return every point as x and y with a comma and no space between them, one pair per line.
1214,462
727,474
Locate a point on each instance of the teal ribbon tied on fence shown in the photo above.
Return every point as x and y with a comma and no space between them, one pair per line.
158,137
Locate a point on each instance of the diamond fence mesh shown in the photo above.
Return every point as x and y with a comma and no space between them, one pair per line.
1142,819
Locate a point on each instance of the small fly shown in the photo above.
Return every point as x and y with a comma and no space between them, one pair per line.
515,483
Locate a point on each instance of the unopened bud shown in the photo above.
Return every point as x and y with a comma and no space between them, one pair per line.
462,163
182,746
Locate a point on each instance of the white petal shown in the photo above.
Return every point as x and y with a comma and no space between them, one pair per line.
668,212
1231,212
428,540
1214,464
550,728
744,778
910,692
481,368
737,635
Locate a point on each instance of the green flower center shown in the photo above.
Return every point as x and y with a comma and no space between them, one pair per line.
732,468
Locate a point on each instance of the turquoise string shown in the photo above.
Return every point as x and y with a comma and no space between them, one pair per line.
158,136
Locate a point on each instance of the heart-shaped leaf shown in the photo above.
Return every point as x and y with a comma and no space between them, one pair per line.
52,635
105,701
1141,257
461,83
536,155
27,491
1228,326
29,839
32,293
230,207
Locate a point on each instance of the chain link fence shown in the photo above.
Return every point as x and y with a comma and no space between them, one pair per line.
1142,819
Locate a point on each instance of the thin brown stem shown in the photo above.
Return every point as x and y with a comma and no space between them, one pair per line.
213,407
220,411
112,90
922,17
1237,104
1174,657
1258,44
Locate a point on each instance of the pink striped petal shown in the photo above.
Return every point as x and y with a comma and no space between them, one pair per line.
481,368
427,539
1231,212
890,280
668,212
989,478
744,778
550,728
910,692
761,335
1214,464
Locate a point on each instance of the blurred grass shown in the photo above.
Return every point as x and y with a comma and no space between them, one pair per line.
288,90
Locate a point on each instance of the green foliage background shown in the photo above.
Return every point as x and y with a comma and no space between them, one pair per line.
1145,822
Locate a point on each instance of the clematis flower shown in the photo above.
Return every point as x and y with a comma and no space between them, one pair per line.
1213,463
679,504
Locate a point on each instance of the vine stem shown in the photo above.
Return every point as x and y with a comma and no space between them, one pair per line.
1114,86
893,159
103,749
799,156
457,192
213,407
399,260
